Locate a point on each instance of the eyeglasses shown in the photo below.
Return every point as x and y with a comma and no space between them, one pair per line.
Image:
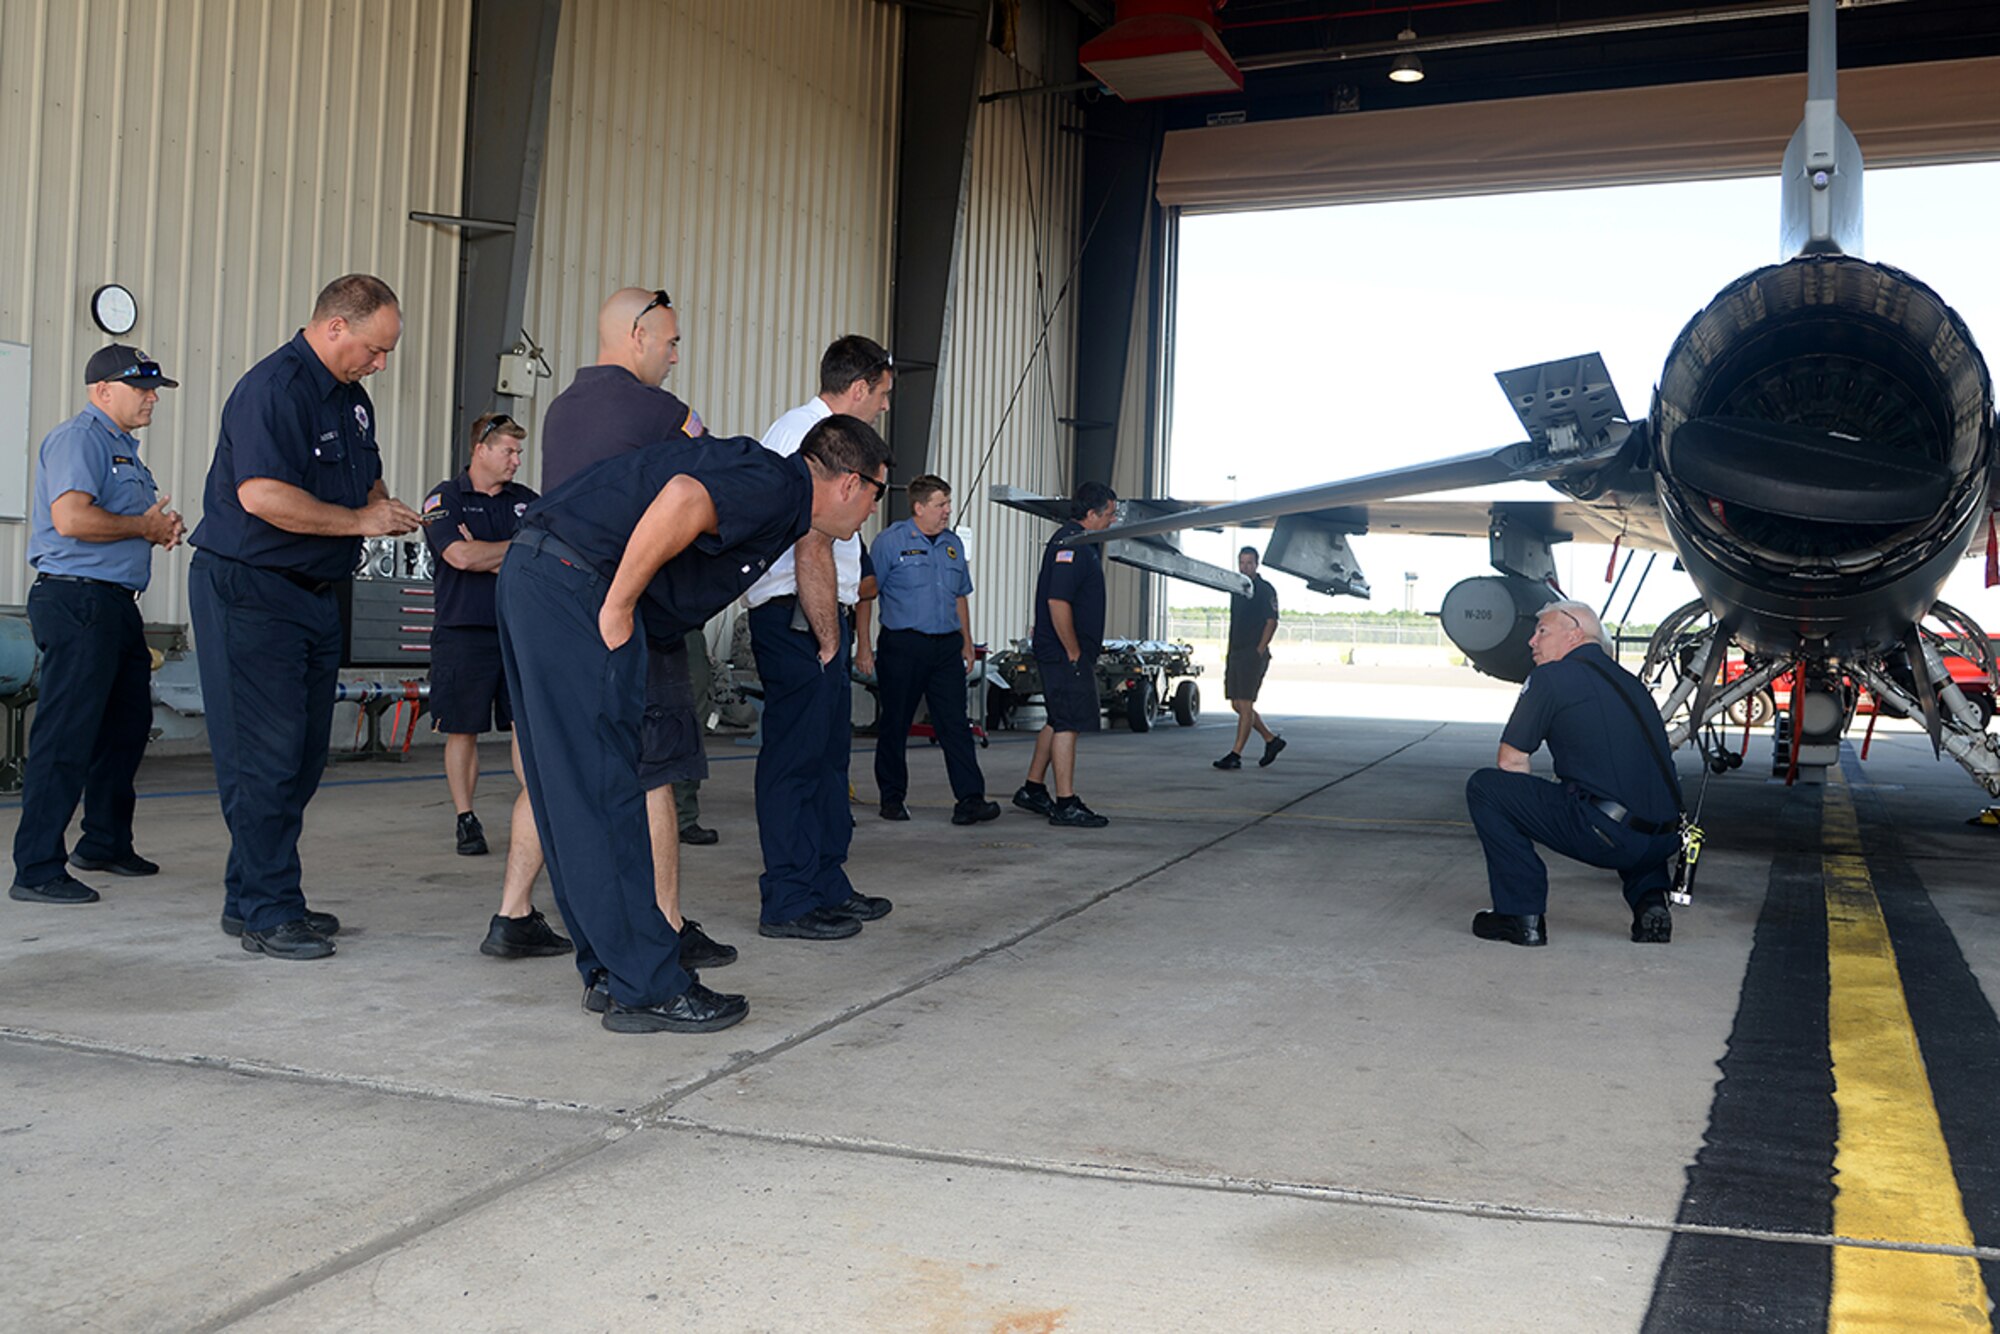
140,370
881,487
502,420
660,300
886,363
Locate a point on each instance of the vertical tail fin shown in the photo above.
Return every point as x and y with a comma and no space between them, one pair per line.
1820,212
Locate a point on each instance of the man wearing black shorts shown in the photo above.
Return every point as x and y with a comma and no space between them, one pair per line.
1069,631
1252,622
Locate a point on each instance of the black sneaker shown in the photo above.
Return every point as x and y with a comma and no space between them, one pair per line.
819,924
696,1010
130,863
1035,799
863,907
1271,749
597,992
699,950
1230,761
699,836
1652,921
529,937
471,835
894,810
65,888
975,810
1071,813
288,940
322,923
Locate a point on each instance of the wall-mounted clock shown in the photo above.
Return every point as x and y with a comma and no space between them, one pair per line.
114,309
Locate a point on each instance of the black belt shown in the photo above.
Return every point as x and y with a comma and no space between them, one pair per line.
127,590
546,542
309,583
927,634
792,600
1629,820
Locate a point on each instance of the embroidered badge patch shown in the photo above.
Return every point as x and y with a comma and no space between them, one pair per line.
951,553
433,503
520,508
692,426
1065,557
361,417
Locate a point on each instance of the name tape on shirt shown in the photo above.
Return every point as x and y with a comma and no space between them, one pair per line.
1065,557
120,458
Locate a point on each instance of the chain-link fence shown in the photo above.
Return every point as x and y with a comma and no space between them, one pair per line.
1199,624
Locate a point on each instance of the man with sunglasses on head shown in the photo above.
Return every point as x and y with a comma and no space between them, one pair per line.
647,542
800,634
295,485
615,407
97,517
1616,802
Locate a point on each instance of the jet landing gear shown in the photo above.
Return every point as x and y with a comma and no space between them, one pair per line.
1687,668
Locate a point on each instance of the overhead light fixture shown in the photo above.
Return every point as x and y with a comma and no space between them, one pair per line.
1406,68
1161,48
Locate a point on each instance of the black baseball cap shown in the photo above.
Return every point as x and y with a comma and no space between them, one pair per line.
126,365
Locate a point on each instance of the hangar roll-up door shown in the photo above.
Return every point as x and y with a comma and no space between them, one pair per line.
1902,115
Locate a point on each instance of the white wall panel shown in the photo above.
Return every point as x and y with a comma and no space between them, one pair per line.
738,153
1009,368
224,159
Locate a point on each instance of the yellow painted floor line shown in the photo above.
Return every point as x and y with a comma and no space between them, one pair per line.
1892,1171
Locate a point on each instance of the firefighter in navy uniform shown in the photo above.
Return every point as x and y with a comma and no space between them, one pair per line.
97,517
1069,633
645,545
295,485
1617,802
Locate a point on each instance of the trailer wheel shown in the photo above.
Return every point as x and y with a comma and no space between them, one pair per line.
1187,703
1141,703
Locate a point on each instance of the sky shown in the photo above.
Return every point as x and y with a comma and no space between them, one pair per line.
1315,344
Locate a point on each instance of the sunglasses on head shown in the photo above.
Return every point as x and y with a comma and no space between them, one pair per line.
502,420
660,300
140,370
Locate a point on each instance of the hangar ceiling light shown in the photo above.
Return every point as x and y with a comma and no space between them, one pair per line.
1408,67
1162,48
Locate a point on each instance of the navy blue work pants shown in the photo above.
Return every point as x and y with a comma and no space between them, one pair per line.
1514,811
269,652
911,666
92,718
577,710
802,817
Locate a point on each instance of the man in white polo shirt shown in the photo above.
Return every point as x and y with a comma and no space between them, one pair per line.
801,637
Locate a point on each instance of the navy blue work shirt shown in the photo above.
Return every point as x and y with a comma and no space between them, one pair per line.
919,579
465,597
763,504
288,419
1074,575
607,410
89,453
1595,740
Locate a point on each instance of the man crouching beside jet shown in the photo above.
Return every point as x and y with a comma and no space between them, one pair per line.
665,538
1616,803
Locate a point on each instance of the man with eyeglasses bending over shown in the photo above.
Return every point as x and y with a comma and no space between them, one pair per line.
801,636
97,517
618,406
1616,801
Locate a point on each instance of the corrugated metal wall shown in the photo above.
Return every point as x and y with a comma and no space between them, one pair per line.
1009,371
223,159
742,157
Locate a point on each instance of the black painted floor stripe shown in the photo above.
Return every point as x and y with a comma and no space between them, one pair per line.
1766,1160
1956,1027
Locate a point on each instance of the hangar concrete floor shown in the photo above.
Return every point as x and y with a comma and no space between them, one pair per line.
1234,1063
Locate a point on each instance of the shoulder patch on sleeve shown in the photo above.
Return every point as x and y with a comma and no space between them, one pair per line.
692,426
1067,556
434,501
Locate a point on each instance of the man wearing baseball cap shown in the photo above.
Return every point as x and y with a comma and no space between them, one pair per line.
97,517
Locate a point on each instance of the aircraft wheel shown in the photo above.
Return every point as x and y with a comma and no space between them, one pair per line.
1753,711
